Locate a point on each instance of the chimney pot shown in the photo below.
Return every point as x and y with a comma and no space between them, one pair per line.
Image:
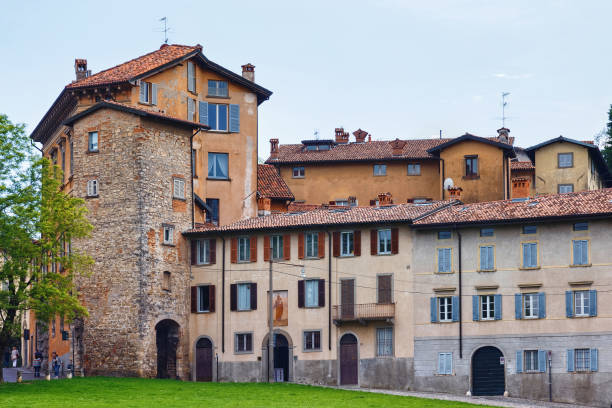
503,134
273,148
248,72
360,135
384,199
455,193
342,137
80,68
397,146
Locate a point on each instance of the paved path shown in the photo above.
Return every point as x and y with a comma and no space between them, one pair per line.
10,374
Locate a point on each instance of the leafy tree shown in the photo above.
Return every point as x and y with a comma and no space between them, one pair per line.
607,149
38,221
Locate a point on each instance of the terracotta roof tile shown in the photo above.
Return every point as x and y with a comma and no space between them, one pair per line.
521,165
271,185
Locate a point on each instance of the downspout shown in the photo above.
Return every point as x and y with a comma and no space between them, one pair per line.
222,297
191,170
460,296
442,160
329,280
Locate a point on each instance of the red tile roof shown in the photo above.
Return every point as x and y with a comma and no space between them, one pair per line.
271,185
138,66
521,165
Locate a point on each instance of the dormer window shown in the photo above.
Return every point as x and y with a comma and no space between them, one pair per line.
314,145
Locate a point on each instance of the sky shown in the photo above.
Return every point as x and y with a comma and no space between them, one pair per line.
397,69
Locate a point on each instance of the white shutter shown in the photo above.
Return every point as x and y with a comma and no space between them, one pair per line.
144,92
89,189
190,76
190,108
153,94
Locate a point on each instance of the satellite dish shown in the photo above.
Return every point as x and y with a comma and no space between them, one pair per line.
448,183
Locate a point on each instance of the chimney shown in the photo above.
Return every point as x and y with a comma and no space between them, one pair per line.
273,148
455,193
384,199
360,135
521,187
352,201
342,137
80,69
503,134
248,72
397,146
264,206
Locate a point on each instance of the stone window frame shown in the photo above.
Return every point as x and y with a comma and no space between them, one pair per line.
311,332
181,191
170,229
236,351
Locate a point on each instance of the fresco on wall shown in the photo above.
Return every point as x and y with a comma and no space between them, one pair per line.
281,308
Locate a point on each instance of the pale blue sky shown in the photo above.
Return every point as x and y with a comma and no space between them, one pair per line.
394,68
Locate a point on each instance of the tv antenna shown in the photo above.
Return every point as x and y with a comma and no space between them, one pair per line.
504,103
166,29
316,134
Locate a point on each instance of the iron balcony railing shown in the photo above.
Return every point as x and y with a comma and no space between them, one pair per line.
363,312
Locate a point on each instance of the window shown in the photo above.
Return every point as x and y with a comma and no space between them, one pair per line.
193,162
444,234
276,246
298,172
530,360
471,166
582,303
93,142
487,307
312,245
244,342
191,105
312,340
384,285
244,296
445,309
384,341
244,249
179,188
203,251
565,188
71,158
148,93
565,160
166,278
218,166
581,226
380,169
347,244
312,293
92,188
583,359
212,216
217,88
530,255
414,169
445,363
168,234
204,298
341,202
217,117
581,251
191,77
531,305
487,232
53,327
444,260
487,258
63,159
384,241
530,229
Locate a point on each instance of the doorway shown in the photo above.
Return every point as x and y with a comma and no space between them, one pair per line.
281,358
166,336
349,360
347,298
488,372
204,360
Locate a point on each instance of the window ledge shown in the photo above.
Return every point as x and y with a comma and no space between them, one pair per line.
487,270
443,375
312,351
471,177
385,254
218,131
529,268
179,199
203,264
581,266
168,244
347,256
145,103
203,312
92,151
217,97
92,196
218,179
445,321
413,174
297,177
243,352
444,273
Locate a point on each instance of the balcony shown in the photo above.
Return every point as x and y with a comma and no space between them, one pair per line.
363,313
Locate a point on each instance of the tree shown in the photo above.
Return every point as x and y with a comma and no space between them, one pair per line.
607,149
38,222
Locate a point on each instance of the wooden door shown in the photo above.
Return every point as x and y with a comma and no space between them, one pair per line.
204,360
488,372
347,297
349,360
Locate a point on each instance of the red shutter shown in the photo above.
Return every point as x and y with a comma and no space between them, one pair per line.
213,251
234,250
373,242
194,299
321,245
394,240
233,296
253,296
253,245
287,247
336,243
321,292
194,252
266,248
301,245
357,236
211,298
300,293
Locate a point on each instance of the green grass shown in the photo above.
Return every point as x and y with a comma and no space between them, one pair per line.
136,392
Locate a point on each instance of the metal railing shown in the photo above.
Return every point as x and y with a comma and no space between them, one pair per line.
365,311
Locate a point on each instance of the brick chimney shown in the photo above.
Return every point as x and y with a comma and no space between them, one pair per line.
360,135
273,148
264,206
385,199
521,187
248,72
455,193
80,69
503,134
397,146
342,137
352,201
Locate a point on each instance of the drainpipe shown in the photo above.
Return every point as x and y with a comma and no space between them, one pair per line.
460,296
442,160
222,297
329,281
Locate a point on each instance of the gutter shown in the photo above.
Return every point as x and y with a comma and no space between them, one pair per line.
460,296
329,281
222,299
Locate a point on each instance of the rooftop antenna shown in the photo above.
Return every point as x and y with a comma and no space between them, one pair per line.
504,103
166,29
316,134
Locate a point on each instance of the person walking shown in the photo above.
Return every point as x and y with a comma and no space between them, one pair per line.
37,363
55,364
14,356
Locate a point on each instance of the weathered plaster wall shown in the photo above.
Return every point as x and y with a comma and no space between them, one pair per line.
549,175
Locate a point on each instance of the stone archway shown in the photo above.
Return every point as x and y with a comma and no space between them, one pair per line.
167,340
488,371
282,357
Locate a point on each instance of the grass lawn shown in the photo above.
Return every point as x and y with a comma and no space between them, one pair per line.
136,392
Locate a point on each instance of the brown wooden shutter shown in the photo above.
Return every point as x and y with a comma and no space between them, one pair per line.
194,251
336,243
357,236
194,299
321,244
234,250
300,293
332,203
211,298
253,296
394,240
321,292
384,289
301,245
373,242
372,203
213,251
287,247
249,342
253,246
266,248
233,296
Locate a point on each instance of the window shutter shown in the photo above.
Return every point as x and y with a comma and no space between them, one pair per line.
194,299
526,257
519,361
194,251
287,247
203,113
249,342
569,307
498,307
475,313
153,94
234,118
518,306
542,360
542,305
89,193
372,203
190,77
441,363
301,245
190,108
336,243
266,248
534,254
373,242
455,303
394,240
321,245
357,237
570,360
211,298
321,292
253,248
593,303
301,293
234,250
433,309
594,360
441,260
483,258
233,296
576,250
253,296
143,92
213,251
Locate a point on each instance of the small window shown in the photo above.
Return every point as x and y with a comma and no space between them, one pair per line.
384,241
312,245
147,93
380,169
487,232
276,246
384,341
565,188
311,288
217,117
487,258
63,159
244,343
312,340
212,216
581,226
530,254
217,88
445,363
244,296
53,327
298,172
341,202
166,278
580,249
582,303
71,158
93,142
445,309
583,359
471,166
204,298
168,235
218,166
92,188
531,305
347,247
530,229
191,105
414,169
531,361
191,77
203,251
244,249
444,260
444,234
487,307
565,160
179,188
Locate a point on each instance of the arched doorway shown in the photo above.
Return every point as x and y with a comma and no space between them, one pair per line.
204,360
166,336
281,358
488,372
349,360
